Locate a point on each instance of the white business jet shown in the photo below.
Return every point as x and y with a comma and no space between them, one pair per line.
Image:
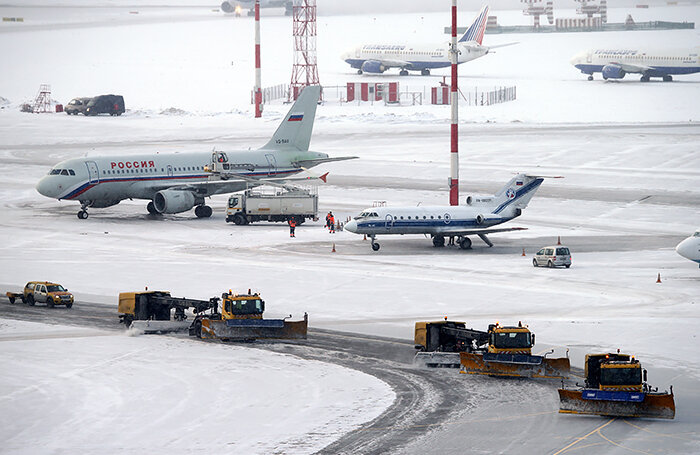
690,247
177,182
377,58
476,218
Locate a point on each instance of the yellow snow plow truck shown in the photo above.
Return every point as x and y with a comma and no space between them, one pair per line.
509,353
235,317
616,386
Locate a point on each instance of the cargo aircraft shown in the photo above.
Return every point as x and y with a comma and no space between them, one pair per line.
177,182
377,58
690,247
616,63
475,218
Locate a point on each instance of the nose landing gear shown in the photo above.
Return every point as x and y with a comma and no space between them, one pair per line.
373,244
82,213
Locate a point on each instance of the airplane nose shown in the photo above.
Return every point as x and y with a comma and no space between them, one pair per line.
351,226
46,188
578,58
686,249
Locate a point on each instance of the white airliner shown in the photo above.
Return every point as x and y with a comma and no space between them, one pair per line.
690,247
178,182
616,63
377,58
439,222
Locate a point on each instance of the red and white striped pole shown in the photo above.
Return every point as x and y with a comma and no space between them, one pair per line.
257,90
454,156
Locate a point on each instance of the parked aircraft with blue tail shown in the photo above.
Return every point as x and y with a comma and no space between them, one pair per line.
616,63
477,217
177,182
377,58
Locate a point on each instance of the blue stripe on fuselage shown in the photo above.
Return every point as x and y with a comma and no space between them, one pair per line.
655,71
412,65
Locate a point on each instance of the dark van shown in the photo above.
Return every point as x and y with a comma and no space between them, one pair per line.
106,104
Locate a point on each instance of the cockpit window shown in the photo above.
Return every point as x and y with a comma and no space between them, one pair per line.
55,172
697,234
64,171
71,171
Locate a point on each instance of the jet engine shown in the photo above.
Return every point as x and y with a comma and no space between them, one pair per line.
229,6
470,200
480,219
173,201
373,66
613,72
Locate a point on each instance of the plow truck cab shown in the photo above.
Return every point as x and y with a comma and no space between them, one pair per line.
509,353
240,318
615,385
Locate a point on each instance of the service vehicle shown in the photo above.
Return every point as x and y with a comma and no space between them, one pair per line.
106,104
553,256
509,353
272,205
233,317
77,106
616,386
500,351
51,294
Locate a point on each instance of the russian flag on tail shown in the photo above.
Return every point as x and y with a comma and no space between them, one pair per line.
295,118
476,31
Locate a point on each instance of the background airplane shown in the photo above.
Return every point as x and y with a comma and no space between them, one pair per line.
690,247
616,63
177,182
237,6
439,222
377,58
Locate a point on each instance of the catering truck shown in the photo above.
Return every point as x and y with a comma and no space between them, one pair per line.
272,205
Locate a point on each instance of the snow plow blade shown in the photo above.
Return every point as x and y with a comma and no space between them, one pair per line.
617,404
254,329
148,327
436,360
514,365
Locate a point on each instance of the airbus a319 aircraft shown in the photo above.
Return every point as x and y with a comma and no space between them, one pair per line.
616,63
377,58
476,218
177,182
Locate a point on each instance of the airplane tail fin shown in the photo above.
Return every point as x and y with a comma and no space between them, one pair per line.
476,31
294,133
516,194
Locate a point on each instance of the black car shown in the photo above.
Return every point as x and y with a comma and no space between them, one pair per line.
77,106
106,104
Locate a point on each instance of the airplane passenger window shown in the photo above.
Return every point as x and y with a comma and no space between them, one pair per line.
439,217
423,216
432,217
402,218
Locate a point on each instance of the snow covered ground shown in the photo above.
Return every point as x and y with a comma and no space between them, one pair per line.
629,152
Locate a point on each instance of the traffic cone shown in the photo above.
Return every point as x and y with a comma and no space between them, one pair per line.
658,278
559,240
333,250
523,251
365,237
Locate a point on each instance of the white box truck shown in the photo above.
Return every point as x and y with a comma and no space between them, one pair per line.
276,205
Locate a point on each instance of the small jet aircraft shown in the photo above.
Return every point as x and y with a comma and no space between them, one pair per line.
476,218
177,182
377,58
690,247
616,63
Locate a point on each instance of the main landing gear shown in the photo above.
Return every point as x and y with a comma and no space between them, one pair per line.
590,77
152,208
203,211
425,72
403,73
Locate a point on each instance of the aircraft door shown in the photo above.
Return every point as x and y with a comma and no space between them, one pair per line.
388,221
589,57
272,164
170,171
93,172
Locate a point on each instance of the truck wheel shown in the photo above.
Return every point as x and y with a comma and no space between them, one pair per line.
550,264
534,262
49,302
128,319
30,300
197,329
69,305
12,299
238,219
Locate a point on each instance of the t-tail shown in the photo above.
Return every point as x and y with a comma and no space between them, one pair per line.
476,30
294,133
512,199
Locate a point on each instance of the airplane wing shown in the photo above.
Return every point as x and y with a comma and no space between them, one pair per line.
317,161
502,45
628,68
460,231
394,63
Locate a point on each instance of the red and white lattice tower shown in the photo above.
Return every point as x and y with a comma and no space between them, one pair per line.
304,71
42,102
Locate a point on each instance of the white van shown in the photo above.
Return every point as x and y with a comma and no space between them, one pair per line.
553,256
